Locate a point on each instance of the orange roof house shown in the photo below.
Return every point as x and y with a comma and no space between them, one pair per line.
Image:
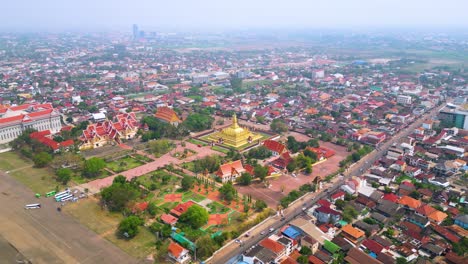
437,216
274,246
178,253
181,208
169,219
167,115
322,153
410,202
275,147
230,171
352,234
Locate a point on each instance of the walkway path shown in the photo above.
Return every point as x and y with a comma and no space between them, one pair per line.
96,185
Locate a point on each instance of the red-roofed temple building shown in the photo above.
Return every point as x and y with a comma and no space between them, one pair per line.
15,119
125,126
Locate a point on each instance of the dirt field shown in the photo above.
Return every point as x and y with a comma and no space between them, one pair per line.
273,194
47,236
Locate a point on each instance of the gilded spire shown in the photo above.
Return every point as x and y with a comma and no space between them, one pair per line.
234,121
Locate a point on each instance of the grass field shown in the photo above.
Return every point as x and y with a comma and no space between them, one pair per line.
11,160
197,142
142,158
89,213
220,149
123,164
192,196
38,180
217,208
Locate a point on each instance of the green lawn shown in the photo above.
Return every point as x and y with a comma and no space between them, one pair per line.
89,213
142,158
11,160
220,149
197,142
217,208
124,164
140,246
192,196
168,205
38,180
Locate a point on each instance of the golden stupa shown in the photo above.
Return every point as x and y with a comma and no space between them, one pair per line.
234,135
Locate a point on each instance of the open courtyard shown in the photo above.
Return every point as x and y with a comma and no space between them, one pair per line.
282,185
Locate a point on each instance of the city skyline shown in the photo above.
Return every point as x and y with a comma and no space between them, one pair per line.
52,15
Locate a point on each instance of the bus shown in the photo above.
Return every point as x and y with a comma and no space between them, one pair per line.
60,195
67,198
64,197
49,194
32,206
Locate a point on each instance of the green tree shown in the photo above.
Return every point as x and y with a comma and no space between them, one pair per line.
198,122
205,247
303,260
160,147
401,261
261,172
245,179
260,205
340,204
64,175
187,183
305,251
278,126
349,213
236,84
227,191
260,152
128,227
309,153
196,216
292,165
93,167
41,159
118,195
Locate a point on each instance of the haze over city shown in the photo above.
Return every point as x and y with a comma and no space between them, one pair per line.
205,15
234,132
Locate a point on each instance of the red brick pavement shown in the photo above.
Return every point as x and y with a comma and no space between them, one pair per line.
173,197
156,164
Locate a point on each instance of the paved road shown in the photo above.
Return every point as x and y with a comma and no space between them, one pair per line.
228,253
47,236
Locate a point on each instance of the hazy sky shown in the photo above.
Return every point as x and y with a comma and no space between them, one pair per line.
39,15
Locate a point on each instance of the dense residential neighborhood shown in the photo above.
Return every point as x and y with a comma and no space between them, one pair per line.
275,155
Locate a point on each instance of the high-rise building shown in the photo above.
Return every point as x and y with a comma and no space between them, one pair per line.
455,115
136,32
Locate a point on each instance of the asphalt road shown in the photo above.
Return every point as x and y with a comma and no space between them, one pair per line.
46,236
230,251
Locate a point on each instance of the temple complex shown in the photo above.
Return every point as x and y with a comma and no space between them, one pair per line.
234,135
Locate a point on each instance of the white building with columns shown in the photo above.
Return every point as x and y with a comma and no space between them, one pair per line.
15,119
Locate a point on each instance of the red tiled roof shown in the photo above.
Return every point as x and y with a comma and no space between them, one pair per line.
322,152
166,114
181,208
175,249
272,245
410,202
274,146
327,210
228,169
324,203
315,260
168,219
372,246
